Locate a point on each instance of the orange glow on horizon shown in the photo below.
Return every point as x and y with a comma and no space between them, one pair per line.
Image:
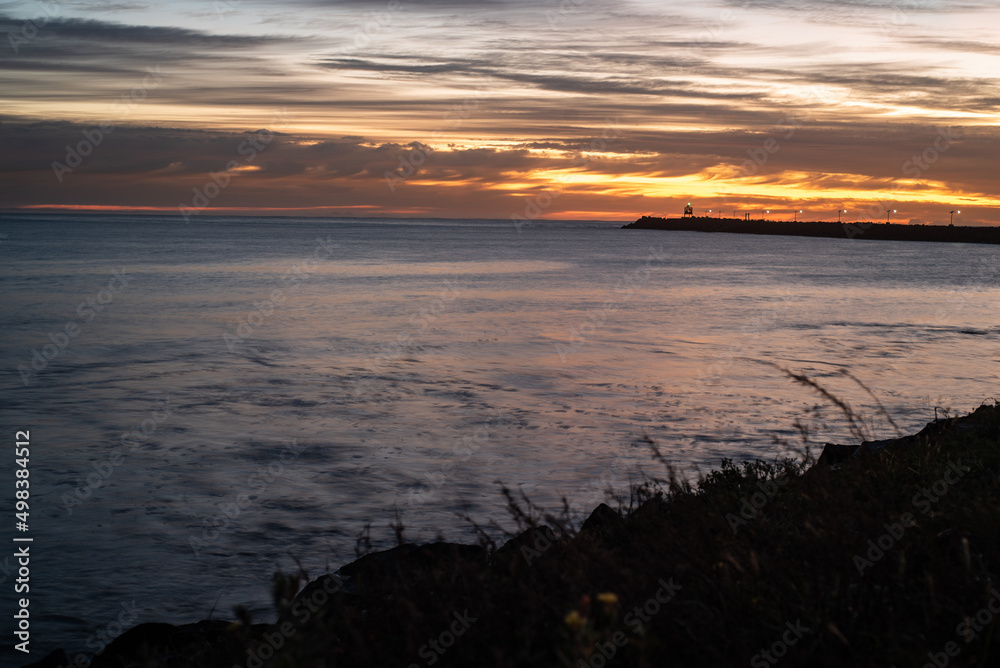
207,210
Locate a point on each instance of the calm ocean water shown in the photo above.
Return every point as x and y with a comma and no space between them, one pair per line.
210,401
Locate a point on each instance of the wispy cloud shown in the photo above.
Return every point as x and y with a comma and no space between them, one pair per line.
697,90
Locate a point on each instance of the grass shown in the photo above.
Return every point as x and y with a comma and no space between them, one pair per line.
877,561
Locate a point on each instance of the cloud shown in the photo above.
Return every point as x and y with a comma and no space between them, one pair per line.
88,50
67,33
960,46
697,90
854,6
160,167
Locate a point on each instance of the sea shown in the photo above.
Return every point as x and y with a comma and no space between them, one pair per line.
210,402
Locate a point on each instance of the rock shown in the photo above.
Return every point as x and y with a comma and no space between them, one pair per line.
980,422
56,659
523,549
329,583
204,644
651,512
868,447
604,526
834,453
408,562
317,599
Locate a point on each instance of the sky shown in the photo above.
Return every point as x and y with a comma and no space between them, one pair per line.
551,109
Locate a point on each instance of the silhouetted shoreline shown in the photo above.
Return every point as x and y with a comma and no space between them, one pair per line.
866,230
881,553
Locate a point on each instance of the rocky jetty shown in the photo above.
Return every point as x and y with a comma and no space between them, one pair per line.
882,553
864,230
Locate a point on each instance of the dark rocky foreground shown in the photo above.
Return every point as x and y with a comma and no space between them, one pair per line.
883,553
868,230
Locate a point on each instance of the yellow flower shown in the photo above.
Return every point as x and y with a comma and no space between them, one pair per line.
574,620
608,598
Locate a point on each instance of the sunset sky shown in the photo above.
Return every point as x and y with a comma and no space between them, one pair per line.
578,109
